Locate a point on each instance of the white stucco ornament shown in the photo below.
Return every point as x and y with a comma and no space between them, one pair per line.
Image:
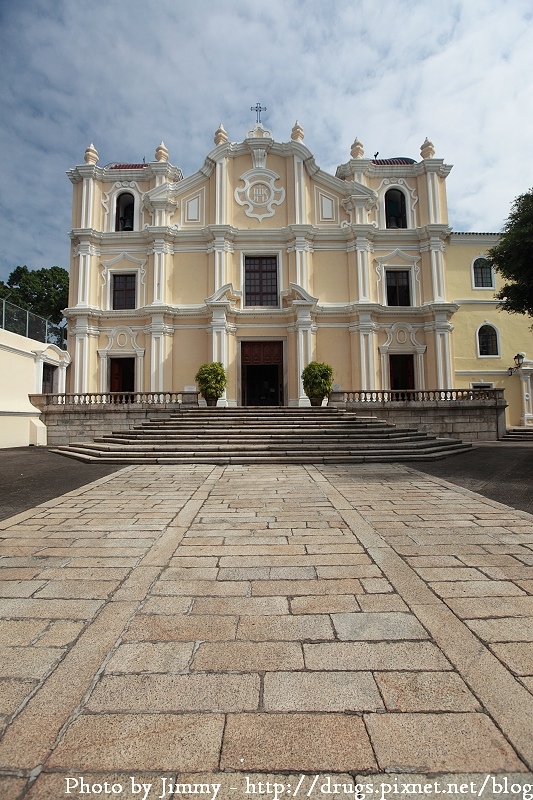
221,137
427,149
357,149
297,133
91,155
259,194
161,154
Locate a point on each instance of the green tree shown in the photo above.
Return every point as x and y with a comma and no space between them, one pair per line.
512,258
43,291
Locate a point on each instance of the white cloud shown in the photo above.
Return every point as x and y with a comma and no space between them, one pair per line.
127,74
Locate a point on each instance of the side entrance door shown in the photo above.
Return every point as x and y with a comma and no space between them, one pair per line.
122,375
402,371
262,373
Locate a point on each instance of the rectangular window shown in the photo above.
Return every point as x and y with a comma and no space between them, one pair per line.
261,281
398,287
123,292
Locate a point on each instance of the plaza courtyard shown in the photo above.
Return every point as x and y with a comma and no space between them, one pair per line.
243,627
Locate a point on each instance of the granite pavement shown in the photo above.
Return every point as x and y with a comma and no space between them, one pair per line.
270,631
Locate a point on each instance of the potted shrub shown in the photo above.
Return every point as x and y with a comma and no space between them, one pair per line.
211,381
318,380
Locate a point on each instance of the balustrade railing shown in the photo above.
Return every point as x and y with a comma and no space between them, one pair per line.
119,398
415,396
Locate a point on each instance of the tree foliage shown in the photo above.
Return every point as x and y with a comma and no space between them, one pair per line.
43,291
512,258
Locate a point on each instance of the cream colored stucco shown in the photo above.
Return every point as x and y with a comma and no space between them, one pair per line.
21,364
333,249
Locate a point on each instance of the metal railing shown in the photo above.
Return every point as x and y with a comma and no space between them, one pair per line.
415,396
19,320
119,398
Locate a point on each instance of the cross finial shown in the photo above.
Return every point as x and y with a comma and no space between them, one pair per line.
258,108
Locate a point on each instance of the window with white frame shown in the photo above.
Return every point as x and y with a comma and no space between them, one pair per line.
123,291
483,274
487,340
124,212
398,285
395,209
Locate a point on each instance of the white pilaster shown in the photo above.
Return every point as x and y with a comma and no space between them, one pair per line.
299,192
527,405
363,248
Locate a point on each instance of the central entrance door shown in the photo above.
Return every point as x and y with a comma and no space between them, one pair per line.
262,373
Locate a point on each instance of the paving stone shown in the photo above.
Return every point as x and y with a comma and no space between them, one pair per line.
59,634
12,692
377,626
140,742
413,655
321,691
492,607
425,691
151,657
185,628
323,604
195,692
517,655
317,587
381,602
252,606
28,662
20,632
208,588
167,605
290,628
476,589
248,656
506,629
77,589
439,742
296,742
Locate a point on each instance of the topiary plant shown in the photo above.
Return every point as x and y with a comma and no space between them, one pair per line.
318,380
211,380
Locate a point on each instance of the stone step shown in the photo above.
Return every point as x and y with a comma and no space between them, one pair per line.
247,436
221,459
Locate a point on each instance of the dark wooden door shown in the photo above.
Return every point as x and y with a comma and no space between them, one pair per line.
262,373
122,375
402,371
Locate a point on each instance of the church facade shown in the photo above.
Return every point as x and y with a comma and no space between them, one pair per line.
263,261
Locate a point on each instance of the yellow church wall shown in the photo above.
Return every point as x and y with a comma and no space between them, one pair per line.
333,347
330,281
189,352
189,278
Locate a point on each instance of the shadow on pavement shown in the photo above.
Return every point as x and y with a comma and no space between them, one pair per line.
32,475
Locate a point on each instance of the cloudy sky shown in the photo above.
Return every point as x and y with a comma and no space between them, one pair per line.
126,74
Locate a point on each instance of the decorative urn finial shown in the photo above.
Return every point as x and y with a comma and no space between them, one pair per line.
91,155
161,154
357,150
297,133
427,150
221,137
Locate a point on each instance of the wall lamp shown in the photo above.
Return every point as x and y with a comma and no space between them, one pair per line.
518,360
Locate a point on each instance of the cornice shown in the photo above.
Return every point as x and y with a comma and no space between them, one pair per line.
458,239
366,166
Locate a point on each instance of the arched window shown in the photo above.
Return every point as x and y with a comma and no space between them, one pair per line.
395,213
487,341
483,274
124,212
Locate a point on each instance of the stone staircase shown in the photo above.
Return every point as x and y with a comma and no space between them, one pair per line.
518,435
263,435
